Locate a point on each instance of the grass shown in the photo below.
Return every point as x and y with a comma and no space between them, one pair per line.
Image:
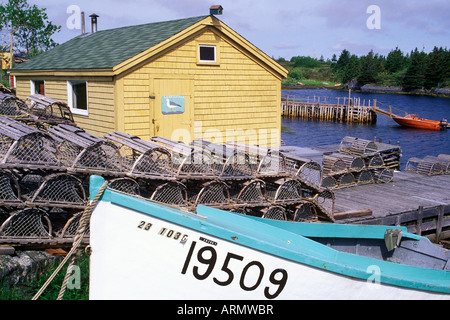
26,291
320,76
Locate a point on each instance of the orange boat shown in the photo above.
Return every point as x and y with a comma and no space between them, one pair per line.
414,121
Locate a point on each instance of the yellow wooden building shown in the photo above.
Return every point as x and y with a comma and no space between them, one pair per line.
185,79
5,58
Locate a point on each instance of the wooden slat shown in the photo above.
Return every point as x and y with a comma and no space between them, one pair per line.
6,250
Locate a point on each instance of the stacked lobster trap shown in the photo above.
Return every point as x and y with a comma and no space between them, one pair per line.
44,179
46,161
429,165
357,161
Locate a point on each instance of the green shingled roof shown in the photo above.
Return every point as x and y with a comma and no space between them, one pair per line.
107,48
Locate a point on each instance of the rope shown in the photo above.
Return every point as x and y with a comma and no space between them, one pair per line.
388,105
84,221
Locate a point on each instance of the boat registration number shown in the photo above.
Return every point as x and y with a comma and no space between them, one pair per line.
204,262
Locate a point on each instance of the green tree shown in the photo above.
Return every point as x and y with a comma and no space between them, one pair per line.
346,67
415,74
351,71
369,67
436,68
334,58
295,73
343,60
28,24
302,61
446,68
395,61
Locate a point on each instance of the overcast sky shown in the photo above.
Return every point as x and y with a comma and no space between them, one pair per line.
283,28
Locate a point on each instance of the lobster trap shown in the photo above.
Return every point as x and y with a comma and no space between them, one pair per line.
229,163
168,192
265,162
323,201
125,185
353,163
213,193
11,106
444,160
358,147
58,190
188,162
29,223
382,175
50,111
249,193
269,212
333,165
374,161
284,191
70,228
345,179
364,177
329,182
144,159
305,212
308,171
22,146
10,194
274,213
427,166
83,152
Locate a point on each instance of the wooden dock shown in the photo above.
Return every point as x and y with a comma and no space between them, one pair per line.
326,108
419,202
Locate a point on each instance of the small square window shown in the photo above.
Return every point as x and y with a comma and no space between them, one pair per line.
38,86
207,53
77,97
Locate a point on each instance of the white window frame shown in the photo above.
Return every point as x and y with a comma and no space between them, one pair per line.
33,86
70,101
207,46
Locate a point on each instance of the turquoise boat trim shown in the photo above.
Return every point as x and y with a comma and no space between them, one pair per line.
335,230
267,237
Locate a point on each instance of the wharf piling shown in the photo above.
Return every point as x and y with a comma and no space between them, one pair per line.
346,109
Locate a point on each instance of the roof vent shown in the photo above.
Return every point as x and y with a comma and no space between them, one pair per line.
94,22
215,9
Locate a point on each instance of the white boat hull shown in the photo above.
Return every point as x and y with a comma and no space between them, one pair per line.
138,256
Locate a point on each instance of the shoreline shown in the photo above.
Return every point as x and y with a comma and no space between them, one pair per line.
368,88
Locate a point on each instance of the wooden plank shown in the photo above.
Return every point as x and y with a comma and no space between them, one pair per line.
6,250
419,221
406,192
59,252
439,222
352,214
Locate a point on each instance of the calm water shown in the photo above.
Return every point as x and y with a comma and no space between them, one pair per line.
414,142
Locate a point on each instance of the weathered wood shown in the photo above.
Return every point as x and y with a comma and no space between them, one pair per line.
352,214
416,201
6,250
311,108
439,222
419,221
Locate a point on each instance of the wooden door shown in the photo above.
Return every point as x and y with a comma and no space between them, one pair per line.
172,109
